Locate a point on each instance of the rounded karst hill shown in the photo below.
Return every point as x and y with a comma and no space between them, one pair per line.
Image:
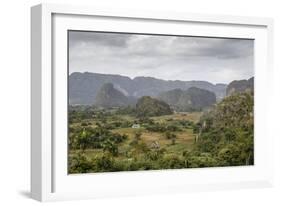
148,107
192,99
201,98
108,96
171,97
239,86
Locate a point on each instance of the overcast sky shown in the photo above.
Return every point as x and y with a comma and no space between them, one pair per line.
215,60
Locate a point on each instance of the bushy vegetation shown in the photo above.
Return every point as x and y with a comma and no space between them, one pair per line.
93,138
105,140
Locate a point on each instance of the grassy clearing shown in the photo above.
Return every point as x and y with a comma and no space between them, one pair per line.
184,139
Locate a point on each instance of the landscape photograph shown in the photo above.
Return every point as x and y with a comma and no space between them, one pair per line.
141,102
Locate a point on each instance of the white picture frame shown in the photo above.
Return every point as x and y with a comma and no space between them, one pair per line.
49,179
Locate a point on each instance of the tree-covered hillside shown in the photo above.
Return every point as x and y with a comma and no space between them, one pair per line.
226,133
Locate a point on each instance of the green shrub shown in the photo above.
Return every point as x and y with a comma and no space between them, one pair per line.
172,162
103,163
78,163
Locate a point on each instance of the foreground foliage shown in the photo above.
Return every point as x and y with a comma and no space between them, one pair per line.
104,141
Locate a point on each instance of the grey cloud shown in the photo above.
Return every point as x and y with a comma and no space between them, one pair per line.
167,57
195,46
101,38
228,48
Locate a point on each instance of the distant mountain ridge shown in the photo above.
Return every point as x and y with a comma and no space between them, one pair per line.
84,87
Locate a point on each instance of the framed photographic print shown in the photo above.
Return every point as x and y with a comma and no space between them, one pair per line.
133,102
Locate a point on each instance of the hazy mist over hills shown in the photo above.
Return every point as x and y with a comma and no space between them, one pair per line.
84,87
